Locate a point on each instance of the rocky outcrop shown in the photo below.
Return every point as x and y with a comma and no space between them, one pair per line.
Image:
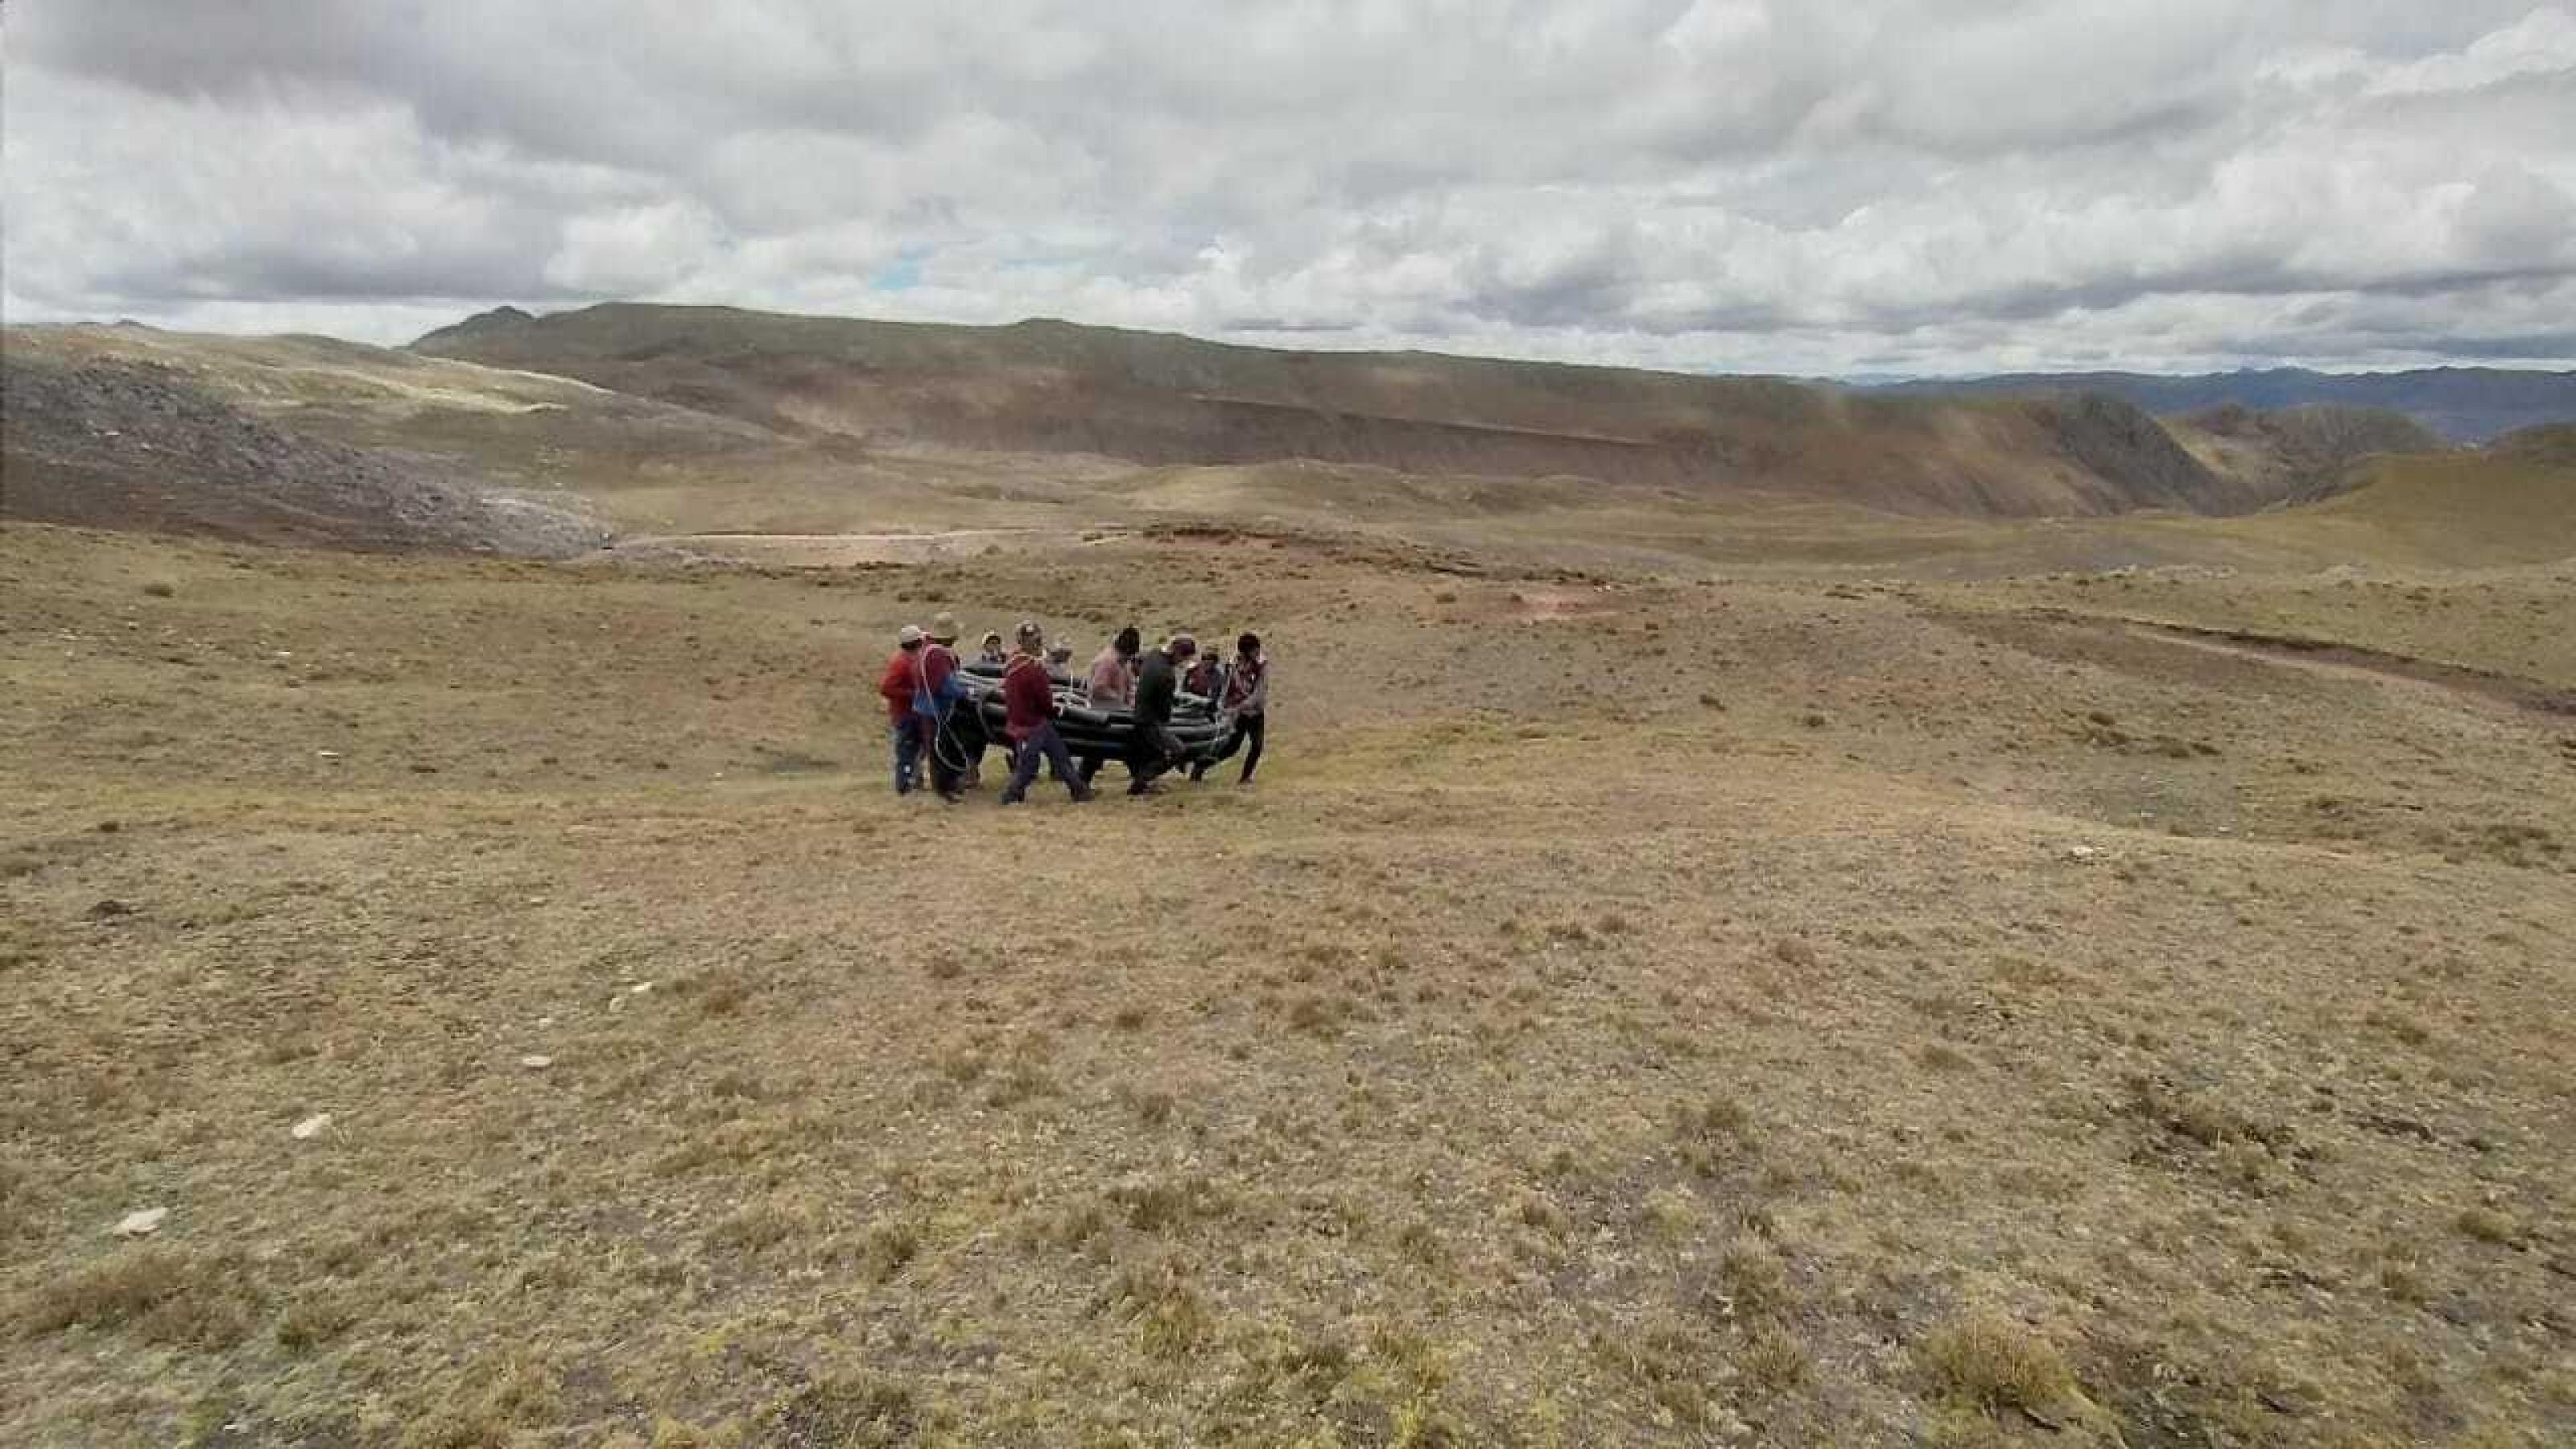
126,445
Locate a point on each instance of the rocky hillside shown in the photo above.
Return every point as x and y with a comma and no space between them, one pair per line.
128,445
2297,454
1051,387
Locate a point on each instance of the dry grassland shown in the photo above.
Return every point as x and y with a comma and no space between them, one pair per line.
1626,1012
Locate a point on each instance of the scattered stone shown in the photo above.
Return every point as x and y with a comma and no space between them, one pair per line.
536,1063
643,988
108,827
310,1128
110,909
326,754
141,1223
2081,852
545,1021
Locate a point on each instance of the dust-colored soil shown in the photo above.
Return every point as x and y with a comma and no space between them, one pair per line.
1633,1008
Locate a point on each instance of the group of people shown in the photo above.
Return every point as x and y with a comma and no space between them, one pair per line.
922,691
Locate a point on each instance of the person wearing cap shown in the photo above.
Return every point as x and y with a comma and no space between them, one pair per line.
934,702
1246,698
1028,702
1158,685
900,682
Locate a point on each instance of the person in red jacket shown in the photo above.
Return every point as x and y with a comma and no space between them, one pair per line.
902,680
1028,702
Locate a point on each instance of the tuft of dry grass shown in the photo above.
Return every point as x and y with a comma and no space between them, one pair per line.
1755,1278
2000,1363
844,1410
1773,1359
163,1294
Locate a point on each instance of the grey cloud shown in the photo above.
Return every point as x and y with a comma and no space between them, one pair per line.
1911,185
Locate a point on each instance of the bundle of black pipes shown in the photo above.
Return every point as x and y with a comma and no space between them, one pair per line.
1109,733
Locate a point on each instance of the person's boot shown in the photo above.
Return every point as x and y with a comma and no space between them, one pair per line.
1084,794
1198,771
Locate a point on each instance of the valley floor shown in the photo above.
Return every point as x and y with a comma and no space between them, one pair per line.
1624,1012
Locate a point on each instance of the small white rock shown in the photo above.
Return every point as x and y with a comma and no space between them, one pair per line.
142,1222
2081,852
545,1021
536,1063
310,1128
326,754
643,988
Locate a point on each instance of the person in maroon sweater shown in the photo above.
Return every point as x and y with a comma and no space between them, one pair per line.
1028,702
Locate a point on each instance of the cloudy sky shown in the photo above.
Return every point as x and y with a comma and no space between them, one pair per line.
1921,186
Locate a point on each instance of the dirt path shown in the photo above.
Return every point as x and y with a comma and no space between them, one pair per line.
2348,661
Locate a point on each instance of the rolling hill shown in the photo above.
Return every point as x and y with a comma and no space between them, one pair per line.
1047,387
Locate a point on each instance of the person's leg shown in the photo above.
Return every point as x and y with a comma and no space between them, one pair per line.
1060,762
907,756
1235,741
943,751
1155,752
1024,768
1248,727
1224,752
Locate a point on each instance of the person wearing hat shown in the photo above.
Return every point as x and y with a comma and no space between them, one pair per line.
932,704
900,682
1158,684
1028,701
993,653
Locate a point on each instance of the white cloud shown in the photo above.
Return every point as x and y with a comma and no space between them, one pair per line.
1726,184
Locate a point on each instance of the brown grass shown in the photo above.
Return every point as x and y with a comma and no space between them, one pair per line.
1536,1056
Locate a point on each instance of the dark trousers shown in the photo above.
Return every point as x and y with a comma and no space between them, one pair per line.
1044,745
1155,750
943,747
907,754
1247,729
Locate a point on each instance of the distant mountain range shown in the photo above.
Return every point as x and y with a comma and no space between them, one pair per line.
2459,404
1049,387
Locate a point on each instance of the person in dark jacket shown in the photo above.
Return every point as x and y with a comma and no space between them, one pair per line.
1246,698
1028,701
900,682
1158,684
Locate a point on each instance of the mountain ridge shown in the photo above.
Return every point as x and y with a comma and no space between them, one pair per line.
2467,405
1047,386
